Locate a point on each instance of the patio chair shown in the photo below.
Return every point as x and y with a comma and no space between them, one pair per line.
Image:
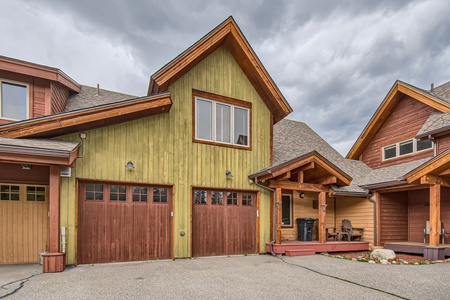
426,231
351,232
331,234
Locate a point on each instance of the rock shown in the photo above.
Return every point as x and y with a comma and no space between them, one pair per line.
394,262
382,254
384,262
372,262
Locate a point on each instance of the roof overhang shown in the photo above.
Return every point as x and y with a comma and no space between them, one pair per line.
39,71
437,166
398,90
313,159
17,152
228,34
85,119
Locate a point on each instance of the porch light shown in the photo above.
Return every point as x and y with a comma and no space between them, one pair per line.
302,195
228,174
26,167
129,165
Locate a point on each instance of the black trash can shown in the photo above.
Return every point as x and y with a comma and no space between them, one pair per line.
305,229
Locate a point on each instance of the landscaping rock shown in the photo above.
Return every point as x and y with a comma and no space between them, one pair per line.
382,254
384,262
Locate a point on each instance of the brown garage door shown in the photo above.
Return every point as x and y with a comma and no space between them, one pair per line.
119,222
223,223
23,222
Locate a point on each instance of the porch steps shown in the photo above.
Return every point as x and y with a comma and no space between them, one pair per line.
300,252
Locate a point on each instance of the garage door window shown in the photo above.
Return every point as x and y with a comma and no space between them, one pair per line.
94,192
9,192
208,197
36,193
118,193
160,195
232,198
140,194
217,198
247,199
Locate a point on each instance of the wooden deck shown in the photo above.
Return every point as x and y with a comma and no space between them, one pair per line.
312,247
413,247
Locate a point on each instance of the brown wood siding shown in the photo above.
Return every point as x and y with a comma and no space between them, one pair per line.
112,231
403,123
59,96
418,213
443,143
223,229
38,102
13,173
23,229
360,212
393,217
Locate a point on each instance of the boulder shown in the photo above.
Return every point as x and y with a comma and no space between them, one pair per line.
381,254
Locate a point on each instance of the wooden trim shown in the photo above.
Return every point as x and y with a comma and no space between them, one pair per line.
226,100
258,222
54,209
435,214
322,217
38,159
272,202
271,139
135,183
77,191
278,203
432,180
227,34
435,166
94,117
398,90
290,185
172,224
291,195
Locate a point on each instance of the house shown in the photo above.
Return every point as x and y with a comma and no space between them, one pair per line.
406,144
128,178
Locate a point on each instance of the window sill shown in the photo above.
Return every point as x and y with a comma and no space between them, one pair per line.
222,144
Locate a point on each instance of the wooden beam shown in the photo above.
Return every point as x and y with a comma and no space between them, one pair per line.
322,217
435,214
301,177
54,205
278,204
432,180
305,162
328,180
295,186
306,167
286,175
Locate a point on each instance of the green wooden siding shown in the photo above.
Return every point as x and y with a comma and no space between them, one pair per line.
162,151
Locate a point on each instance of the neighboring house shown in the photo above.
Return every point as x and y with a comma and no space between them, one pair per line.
138,178
406,143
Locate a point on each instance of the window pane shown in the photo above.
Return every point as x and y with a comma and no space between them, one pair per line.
286,210
241,126
200,197
14,101
232,198
390,152
204,120
223,123
406,147
424,144
217,197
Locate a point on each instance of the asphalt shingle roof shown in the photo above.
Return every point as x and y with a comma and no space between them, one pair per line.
437,119
42,144
88,97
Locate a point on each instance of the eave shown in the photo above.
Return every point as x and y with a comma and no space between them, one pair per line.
398,90
85,119
228,34
39,71
438,165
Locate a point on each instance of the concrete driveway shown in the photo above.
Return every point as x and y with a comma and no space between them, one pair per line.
239,277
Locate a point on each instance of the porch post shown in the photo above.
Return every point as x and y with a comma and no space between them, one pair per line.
435,214
322,217
278,204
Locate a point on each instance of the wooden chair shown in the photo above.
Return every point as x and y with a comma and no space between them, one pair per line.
351,232
426,231
331,234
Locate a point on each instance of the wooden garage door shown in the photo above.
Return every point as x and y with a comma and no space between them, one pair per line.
223,223
119,222
23,222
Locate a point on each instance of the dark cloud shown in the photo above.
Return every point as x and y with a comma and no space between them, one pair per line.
333,60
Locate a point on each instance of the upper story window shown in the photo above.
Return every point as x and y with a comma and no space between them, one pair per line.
406,147
13,100
221,120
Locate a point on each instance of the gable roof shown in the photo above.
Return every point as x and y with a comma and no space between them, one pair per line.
40,71
228,34
88,118
398,90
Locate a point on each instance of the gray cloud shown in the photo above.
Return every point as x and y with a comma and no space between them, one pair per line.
333,60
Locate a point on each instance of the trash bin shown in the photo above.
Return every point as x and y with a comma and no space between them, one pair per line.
305,229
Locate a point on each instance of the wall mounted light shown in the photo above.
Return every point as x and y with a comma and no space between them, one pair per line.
302,195
26,167
228,174
129,165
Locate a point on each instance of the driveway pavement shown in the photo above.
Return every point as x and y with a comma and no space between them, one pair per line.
239,277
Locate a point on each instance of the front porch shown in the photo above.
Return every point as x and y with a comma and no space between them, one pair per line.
438,252
298,248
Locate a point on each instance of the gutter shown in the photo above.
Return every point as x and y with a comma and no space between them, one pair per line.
274,213
384,184
37,151
374,219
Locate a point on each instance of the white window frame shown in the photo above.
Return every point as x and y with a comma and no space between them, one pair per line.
397,149
213,121
27,86
291,216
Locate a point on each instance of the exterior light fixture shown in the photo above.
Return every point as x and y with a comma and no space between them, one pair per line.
26,167
228,174
324,207
302,195
129,165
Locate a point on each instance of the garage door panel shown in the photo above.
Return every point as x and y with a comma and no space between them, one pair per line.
134,228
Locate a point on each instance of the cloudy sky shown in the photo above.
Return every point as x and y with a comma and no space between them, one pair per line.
334,61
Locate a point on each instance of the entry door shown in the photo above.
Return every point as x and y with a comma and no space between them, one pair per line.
223,223
119,222
23,222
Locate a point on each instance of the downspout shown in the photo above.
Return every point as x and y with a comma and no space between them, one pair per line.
374,219
274,214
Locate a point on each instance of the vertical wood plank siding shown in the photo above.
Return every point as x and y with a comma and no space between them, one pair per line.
59,97
393,217
162,150
403,123
38,102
